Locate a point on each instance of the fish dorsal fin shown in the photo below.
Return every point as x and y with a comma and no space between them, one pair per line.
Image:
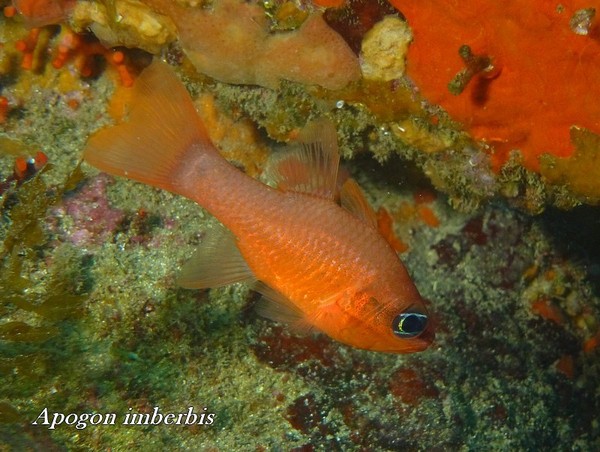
353,200
275,306
216,263
311,165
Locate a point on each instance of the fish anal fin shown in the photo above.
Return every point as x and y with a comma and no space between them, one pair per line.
353,200
275,306
311,165
160,137
216,263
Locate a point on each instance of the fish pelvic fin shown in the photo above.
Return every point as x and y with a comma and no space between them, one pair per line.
311,165
275,306
217,262
153,144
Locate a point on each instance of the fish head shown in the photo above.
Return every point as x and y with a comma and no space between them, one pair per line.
396,325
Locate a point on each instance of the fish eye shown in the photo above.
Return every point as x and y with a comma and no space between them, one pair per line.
409,323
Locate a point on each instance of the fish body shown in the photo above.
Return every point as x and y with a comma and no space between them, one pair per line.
318,264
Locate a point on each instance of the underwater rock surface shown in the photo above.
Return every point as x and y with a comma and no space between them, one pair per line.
91,319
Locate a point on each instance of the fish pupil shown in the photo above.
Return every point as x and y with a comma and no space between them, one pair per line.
409,324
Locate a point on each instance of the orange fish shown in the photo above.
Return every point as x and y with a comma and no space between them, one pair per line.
317,264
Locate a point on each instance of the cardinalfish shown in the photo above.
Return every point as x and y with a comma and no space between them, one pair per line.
319,264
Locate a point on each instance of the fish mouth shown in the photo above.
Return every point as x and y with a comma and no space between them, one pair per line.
412,345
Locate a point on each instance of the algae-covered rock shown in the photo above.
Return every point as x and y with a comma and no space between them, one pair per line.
513,298
127,23
580,173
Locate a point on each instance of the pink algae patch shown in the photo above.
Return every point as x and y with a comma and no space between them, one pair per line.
85,217
544,77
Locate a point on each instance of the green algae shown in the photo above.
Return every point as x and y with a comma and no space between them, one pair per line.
42,285
278,112
33,310
23,332
31,205
23,241
8,415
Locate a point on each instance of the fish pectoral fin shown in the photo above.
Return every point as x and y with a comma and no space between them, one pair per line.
353,200
311,165
277,307
218,262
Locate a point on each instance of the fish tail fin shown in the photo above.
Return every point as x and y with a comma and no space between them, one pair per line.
162,134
